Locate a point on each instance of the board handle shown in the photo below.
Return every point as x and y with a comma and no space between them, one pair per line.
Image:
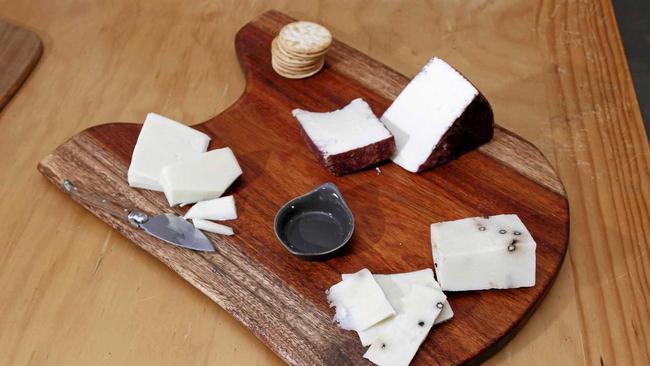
95,200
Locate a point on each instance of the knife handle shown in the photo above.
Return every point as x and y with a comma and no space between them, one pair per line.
96,201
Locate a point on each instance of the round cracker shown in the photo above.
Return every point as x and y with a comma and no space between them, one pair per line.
293,75
305,37
277,52
286,49
296,66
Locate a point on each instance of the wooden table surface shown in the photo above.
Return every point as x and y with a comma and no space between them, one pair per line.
72,291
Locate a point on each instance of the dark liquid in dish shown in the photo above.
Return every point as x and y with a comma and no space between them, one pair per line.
314,232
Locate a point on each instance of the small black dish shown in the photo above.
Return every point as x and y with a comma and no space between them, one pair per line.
315,224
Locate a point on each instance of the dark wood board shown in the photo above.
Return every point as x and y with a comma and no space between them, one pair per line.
20,49
281,298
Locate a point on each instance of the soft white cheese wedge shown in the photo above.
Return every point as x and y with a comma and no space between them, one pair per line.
396,287
348,128
360,303
424,112
161,142
217,209
481,253
201,177
398,342
347,139
212,227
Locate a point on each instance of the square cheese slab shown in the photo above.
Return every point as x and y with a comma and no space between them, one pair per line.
482,253
347,139
438,116
161,142
400,340
202,177
360,303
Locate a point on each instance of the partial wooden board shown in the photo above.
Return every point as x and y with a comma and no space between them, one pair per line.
73,290
20,50
251,274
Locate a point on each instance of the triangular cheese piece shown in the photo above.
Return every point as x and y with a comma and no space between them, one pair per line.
437,117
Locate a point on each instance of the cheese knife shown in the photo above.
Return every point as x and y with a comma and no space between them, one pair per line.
167,227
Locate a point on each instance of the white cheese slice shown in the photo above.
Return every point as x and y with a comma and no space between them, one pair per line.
352,127
425,110
216,209
398,342
201,177
161,142
481,253
396,287
359,301
212,227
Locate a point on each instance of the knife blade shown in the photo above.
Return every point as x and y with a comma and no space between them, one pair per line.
167,227
175,230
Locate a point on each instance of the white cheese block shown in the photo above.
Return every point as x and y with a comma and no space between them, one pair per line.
216,209
481,253
201,177
398,342
427,108
396,287
161,142
360,303
347,139
212,227
348,128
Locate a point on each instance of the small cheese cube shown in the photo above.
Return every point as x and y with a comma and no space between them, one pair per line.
161,142
482,253
399,342
199,178
217,209
359,301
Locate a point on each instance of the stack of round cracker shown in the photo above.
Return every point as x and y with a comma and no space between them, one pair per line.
299,49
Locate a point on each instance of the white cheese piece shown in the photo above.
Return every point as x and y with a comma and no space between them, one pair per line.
425,110
161,142
201,177
396,287
398,342
216,209
359,302
352,127
482,253
212,227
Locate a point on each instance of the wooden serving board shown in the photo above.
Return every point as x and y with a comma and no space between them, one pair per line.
281,298
20,49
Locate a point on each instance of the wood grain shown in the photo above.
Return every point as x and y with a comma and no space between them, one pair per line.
20,49
281,297
72,291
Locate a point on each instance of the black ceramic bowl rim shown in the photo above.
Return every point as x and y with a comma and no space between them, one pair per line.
283,209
